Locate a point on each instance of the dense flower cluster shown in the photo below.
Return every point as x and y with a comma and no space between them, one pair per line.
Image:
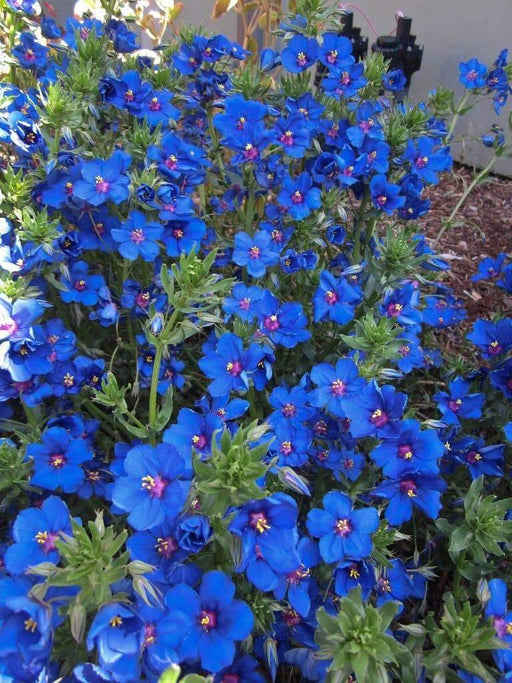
224,395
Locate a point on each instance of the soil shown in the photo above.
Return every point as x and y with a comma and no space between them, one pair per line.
485,230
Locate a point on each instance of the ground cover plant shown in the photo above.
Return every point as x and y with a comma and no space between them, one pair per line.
234,447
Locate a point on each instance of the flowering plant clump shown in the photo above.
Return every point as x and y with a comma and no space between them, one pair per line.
234,446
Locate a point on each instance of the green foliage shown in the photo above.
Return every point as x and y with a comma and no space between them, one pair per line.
456,640
15,472
378,339
229,476
483,529
172,675
92,560
356,641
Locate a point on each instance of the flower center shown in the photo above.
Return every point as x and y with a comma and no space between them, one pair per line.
381,199
291,618
298,575
254,253
240,124
332,56
230,678
155,105
301,59
471,75
47,540
80,285
245,303
208,619
379,418
149,634
234,368
287,138
271,323
405,451
454,405
171,162
166,547
101,185
137,236
297,197
289,410
330,297
338,388
259,522
155,485
353,571
494,348
116,621
394,310
30,625
199,441
421,162
384,585
472,457
178,233
286,447
409,487
343,527
57,460
68,380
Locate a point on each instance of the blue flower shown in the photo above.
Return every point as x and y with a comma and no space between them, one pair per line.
501,377
394,81
489,268
346,82
337,386
82,29
458,403
351,574
30,53
290,404
137,237
479,458
242,301
385,196
408,445
284,324
335,53
299,54
58,460
410,488
291,443
343,531
154,489
492,338
375,411
192,431
472,74
229,366
116,633
268,532
293,135
243,670
217,620
25,631
104,181
394,583
255,253
297,584
497,609
35,532
181,235
298,197
427,161
335,299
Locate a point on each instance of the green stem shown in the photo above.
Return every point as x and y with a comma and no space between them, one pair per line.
458,577
458,113
464,196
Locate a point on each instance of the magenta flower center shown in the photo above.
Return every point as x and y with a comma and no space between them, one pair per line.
332,56
245,303
381,199
421,162
208,619
57,460
405,451
271,323
394,310
155,485
471,75
297,197
166,547
254,253
230,678
298,575
494,348
199,441
234,368
259,522
379,418
330,297
473,457
338,388
137,236
409,487
291,618
47,540
343,527
80,285
454,405
286,447
301,59
289,410
287,138
155,105
149,634
171,162
101,185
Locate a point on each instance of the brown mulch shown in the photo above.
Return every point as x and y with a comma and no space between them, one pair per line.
486,231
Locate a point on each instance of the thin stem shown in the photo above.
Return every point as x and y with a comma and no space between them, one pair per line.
458,113
464,196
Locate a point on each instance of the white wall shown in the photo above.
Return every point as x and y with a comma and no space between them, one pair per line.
451,31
